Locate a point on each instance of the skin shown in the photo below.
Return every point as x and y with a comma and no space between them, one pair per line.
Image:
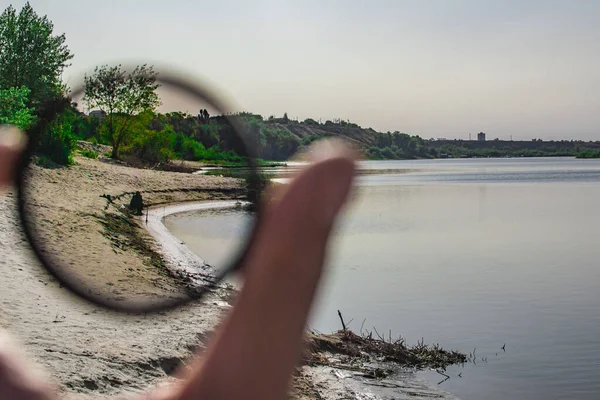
254,352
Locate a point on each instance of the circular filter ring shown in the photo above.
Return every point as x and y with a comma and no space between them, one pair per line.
192,88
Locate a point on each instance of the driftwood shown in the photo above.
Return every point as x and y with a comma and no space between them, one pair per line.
363,348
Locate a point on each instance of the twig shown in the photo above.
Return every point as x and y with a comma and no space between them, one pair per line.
443,380
441,373
382,339
342,319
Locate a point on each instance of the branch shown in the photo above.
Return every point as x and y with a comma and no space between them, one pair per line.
342,319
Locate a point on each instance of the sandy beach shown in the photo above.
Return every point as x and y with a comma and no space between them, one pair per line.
91,351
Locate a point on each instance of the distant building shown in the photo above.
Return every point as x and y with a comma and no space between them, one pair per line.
97,113
481,137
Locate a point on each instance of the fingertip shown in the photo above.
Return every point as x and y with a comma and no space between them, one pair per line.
12,139
332,148
12,143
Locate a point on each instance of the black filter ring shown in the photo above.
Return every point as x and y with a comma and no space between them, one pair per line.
193,88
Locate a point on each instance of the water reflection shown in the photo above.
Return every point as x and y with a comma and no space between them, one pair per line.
476,253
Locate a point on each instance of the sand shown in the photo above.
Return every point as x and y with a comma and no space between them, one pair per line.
83,348
86,233
89,351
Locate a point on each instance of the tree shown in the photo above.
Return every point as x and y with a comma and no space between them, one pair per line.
31,55
121,95
203,116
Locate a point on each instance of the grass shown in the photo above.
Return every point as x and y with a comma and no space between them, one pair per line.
123,230
89,154
45,162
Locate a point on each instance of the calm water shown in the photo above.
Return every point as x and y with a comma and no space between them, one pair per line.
469,254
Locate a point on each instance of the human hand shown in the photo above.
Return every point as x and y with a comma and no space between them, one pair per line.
254,352
18,380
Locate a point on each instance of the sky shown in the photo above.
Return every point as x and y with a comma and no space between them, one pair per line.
437,68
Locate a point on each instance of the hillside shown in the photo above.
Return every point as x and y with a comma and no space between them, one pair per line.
396,145
303,130
156,138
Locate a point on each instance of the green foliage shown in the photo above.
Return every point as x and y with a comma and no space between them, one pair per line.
45,162
32,59
13,108
311,138
150,145
121,95
398,146
89,154
269,142
374,152
31,55
87,128
589,154
59,141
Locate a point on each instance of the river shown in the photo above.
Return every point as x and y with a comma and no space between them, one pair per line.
473,253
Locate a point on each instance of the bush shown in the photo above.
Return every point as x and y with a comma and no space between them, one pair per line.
58,141
389,153
13,108
89,154
375,153
151,146
45,162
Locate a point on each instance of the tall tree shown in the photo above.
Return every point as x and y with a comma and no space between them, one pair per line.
31,54
121,95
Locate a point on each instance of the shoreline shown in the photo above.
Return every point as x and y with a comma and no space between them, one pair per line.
92,351
173,251
321,376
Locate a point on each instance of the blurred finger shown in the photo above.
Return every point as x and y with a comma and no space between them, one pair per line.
257,348
314,153
12,143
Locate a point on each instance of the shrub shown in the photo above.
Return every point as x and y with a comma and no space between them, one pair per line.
589,154
389,153
58,141
89,154
13,108
151,146
45,162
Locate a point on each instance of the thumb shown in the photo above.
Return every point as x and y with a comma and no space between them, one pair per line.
12,143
